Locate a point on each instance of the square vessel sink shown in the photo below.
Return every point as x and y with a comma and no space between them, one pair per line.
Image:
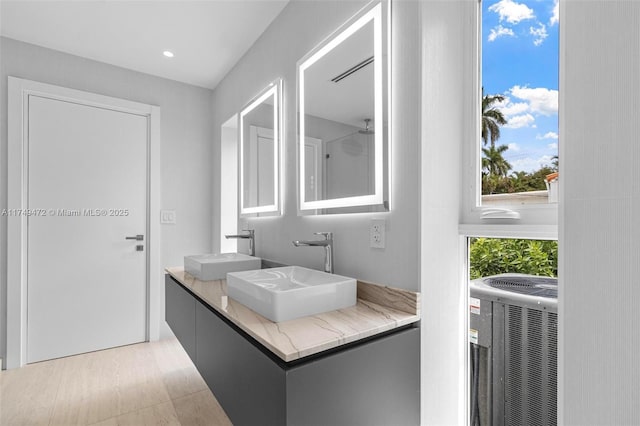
207,267
282,294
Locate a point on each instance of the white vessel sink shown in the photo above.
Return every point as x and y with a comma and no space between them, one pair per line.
282,294
207,267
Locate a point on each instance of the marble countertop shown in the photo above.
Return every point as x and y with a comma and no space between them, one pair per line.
378,309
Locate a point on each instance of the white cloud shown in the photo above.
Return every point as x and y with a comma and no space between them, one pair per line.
518,121
539,33
516,114
509,109
512,12
555,14
514,147
529,164
499,31
522,114
548,135
553,146
541,100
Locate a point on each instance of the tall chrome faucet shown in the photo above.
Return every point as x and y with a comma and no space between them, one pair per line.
251,236
327,243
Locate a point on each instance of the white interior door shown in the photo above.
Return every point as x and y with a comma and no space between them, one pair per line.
262,177
87,191
313,169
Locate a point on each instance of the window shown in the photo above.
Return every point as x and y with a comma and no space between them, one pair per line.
513,331
493,256
510,213
517,147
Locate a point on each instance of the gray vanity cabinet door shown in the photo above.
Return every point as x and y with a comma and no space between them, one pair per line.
180,314
376,383
248,384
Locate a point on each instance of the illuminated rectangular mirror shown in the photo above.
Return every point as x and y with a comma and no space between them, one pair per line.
260,140
343,117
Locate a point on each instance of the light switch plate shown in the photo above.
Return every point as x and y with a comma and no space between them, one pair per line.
377,233
168,216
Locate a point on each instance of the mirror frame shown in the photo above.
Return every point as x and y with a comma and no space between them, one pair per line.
273,89
382,111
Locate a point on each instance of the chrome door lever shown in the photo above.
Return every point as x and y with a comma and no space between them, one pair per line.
137,238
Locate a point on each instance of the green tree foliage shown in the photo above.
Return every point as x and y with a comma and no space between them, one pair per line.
516,181
492,118
493,163
491,256
495,169
494,166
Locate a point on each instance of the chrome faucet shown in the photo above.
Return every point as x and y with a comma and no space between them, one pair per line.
251,236
327,243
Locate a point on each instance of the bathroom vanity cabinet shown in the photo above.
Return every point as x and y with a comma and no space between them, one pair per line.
180,314
375,380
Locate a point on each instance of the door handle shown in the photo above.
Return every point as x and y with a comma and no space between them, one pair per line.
137,238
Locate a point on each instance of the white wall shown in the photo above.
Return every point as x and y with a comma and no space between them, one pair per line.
600,213
229,189
186,135
447,100
297,30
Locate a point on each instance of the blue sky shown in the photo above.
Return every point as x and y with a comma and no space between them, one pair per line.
520,61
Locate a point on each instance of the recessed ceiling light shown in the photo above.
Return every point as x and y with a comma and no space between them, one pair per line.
168,54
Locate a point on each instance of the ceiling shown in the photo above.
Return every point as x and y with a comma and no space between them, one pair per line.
207,36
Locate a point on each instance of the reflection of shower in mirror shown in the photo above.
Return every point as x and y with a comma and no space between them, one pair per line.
366,130
351,145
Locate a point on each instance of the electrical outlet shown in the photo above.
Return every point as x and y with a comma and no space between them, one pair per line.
168,216
377,233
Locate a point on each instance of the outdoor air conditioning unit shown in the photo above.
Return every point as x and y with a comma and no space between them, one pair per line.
514,346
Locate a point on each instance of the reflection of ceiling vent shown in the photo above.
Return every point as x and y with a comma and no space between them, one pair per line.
353,69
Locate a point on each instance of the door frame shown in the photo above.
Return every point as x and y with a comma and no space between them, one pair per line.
19,91
255,133
316,144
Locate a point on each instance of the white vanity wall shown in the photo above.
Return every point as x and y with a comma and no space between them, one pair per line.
297,30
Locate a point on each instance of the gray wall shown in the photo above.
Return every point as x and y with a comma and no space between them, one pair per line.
297,30
599,213
186,135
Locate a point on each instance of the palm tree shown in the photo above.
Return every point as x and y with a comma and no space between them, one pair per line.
493,163
519,180
492,118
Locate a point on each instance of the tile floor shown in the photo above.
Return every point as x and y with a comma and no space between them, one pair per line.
144,384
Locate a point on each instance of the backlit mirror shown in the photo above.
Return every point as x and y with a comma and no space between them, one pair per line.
260,139
343,119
